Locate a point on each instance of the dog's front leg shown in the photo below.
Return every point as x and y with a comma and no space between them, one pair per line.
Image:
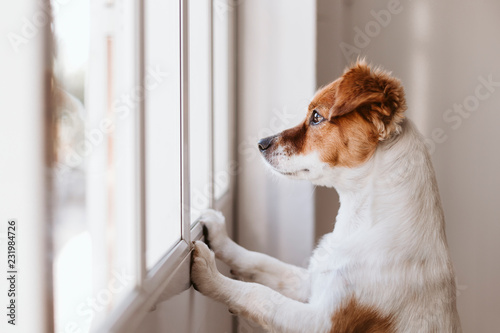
258,303
289,280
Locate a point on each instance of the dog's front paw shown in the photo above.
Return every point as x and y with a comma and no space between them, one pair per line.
204,274
214,229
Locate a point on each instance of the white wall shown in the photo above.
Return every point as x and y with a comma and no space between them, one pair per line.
24,164
440,49
276,79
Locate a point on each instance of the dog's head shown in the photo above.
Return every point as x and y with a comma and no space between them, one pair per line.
345,122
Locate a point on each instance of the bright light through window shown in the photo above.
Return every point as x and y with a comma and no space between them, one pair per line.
94,184
200,105
222,169
163,124
73,273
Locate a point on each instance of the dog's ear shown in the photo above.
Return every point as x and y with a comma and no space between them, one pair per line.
374,93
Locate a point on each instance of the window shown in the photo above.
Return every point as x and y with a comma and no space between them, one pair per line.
142,94
200,107
162,129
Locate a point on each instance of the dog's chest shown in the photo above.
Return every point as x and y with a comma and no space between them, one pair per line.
331,268
331,255
340,266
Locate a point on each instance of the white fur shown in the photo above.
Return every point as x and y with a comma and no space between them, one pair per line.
388,249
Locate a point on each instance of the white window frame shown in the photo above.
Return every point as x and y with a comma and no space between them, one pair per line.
170,275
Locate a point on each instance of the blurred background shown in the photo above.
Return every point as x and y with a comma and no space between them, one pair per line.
121,120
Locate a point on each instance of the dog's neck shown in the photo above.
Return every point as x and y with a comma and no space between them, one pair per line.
396,186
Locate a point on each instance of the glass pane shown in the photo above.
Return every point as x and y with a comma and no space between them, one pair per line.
163,124
199,105
222,172
94,175
72,270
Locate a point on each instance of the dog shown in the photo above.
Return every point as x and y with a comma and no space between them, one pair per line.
386,266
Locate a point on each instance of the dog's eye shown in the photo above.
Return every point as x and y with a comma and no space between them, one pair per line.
316,118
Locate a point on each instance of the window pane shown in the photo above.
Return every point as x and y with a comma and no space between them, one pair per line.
222,172
163,123
94,183
199,105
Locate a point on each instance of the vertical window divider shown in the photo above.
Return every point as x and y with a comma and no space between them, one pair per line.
141,150
184,83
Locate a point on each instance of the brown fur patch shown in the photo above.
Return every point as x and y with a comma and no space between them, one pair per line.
361,108
353,317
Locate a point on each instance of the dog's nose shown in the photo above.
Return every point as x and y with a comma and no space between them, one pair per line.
265,143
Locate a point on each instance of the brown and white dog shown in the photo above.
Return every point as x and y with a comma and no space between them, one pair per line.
386,266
